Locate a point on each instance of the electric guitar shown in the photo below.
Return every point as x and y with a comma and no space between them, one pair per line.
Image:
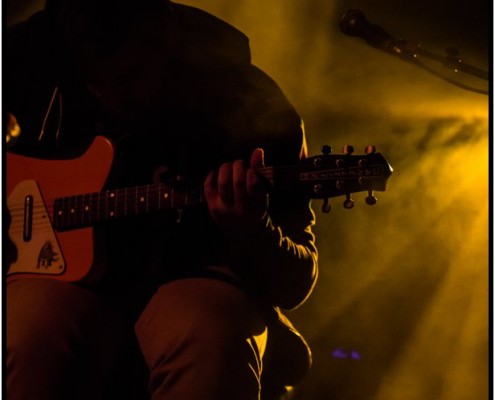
55,204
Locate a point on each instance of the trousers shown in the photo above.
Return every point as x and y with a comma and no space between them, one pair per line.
201,338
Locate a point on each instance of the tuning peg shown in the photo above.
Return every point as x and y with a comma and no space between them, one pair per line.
326,207
371,199
348,149
348,202
369,149
326,149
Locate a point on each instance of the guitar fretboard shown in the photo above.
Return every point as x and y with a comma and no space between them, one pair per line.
88,209
91,208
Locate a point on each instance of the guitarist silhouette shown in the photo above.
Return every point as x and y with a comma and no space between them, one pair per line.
138,303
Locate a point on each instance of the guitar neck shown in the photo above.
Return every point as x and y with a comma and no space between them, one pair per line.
91,208
82,210
318,177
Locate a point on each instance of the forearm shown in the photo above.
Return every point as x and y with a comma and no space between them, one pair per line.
280,259
286,269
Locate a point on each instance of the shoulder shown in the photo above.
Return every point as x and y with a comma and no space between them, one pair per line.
209,39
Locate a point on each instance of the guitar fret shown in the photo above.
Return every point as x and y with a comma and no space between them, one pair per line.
160,195
166,197
125,201
73,210
147,197
63,212
107,204
117,207
156,198
80,209
66,215
89,207
93,206
118,203
112,204
101,206
84,209
77,207
136,201
142,200
152,206
56,212
70,210
132,201
121,202
98,207
108,209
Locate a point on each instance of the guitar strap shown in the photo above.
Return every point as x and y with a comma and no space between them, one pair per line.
56,97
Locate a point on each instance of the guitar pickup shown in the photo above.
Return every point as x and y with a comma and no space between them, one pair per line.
27,226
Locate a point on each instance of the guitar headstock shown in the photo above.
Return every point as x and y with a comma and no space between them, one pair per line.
331,175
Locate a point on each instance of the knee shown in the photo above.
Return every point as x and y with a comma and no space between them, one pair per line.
209,317
197,336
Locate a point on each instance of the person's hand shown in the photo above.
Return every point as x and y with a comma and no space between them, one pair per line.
236,197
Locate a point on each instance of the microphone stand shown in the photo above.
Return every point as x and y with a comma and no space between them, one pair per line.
354,23
412,52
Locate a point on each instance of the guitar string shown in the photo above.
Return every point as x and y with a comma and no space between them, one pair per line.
103,197
107,194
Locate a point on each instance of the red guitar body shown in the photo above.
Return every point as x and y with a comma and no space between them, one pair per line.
32,185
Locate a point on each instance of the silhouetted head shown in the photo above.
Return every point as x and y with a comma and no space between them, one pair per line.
98,25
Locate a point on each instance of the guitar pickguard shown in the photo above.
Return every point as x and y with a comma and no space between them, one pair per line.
31,231
34,184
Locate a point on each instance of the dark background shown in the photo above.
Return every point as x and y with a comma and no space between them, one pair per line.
400,311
